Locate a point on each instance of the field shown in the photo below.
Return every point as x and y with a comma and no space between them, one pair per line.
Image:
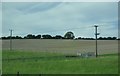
48,57
63,46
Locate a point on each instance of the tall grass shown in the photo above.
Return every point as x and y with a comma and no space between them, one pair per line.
53,63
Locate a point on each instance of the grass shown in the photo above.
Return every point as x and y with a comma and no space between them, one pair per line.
29,62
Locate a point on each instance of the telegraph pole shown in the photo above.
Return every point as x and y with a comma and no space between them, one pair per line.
11,39
96,39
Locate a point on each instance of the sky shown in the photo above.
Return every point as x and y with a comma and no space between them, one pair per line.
59,0
57,18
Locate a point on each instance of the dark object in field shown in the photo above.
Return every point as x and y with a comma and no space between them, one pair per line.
71,56
83,55
89,54
17,73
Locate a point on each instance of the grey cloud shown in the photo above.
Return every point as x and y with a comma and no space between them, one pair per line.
62,16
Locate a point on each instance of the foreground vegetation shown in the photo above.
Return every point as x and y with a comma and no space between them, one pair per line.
30,62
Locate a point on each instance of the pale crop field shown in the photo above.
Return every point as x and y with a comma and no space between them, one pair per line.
62,46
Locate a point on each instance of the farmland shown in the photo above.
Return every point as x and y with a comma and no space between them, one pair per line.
62,46
48,57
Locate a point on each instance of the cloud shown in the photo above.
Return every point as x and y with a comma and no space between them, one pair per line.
57,18
38,7
59,0
0,19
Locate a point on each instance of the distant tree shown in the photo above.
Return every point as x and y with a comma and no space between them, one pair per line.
25,37
88,38
18,37
69,35
4,37
58,37
8,37
79,38
107,38
104,38
38,37
114,38
46,36
100,38
13,37
30,36
118,39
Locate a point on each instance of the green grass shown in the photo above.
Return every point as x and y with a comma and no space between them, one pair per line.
29,62
27,54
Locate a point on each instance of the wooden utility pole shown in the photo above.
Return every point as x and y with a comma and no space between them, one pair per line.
96,39
11,39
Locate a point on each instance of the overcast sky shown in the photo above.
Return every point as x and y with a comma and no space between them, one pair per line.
56,18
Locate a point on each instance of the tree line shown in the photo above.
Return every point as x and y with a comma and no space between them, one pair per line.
68,35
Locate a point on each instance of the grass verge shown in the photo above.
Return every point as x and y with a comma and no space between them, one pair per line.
29,62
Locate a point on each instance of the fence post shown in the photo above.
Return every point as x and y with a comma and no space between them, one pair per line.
17,73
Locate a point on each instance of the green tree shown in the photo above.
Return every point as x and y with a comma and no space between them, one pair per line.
46,36
38,37
69,35
30,36
58,37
